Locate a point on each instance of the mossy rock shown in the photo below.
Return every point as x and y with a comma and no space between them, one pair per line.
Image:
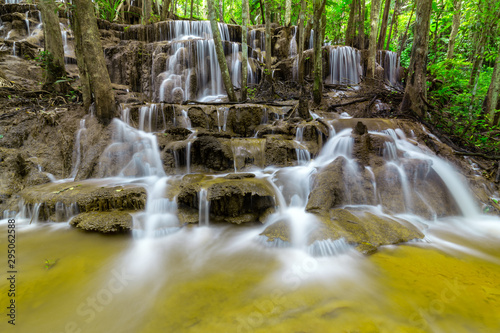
365,230
104,222
88,196
239,198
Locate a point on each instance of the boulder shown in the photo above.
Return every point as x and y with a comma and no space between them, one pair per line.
104,222
86,196
231,199
365,230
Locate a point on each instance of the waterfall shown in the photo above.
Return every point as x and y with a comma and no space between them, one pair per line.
132,153
188,37
303,155
344,65
204,208
391,65
77,149
293,54
311,39
27,22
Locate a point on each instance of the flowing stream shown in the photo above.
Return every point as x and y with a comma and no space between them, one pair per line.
214,277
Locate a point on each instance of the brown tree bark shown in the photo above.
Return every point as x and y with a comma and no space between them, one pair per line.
80,60
262,14
415,94
221,57
457,6
319,7
288,10
54,49
146,11
361,25
394,20
221,11
303,101
268,71
372,47
492,98
165,10
383,27
350,32
94,64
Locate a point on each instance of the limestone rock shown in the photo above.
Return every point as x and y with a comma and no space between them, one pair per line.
104,222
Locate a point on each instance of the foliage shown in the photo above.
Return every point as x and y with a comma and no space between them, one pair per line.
108,8
458,111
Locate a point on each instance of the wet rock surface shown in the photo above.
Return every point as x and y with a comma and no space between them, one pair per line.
365,230
111,222
73,197
237,199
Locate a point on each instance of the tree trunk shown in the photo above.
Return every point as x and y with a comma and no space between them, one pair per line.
303,101
262,15
361,24
372,47
350,32
268,71
221,11
146,11
319,6
415,92
191,14
478,61
383,28
394,20
403,40
457,5
54,49
437,33
492,100
164,10
221,58
288,10
80,60
94,63
244,49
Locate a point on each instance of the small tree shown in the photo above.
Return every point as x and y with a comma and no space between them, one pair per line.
53,55
372,47
319,7
91,63
416,91
221,58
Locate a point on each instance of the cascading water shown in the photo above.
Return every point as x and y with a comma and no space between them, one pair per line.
390,62
27,21
133,153
344,65
77,150
303,155
186,37
293,54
